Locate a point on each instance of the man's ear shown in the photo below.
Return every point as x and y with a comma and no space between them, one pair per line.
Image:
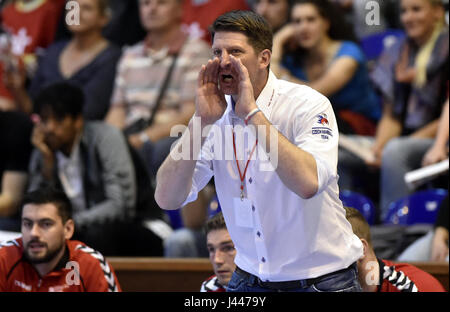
365,247
264,57
79,121
69,229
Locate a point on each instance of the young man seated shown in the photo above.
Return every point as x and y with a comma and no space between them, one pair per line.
221,254
44,258
379,275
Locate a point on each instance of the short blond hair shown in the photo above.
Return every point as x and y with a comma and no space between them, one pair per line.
359,224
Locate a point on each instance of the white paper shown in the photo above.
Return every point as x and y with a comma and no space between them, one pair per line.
417,177
243,212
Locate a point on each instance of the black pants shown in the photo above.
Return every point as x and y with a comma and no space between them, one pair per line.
121,238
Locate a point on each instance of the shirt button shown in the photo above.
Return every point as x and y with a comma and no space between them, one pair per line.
253,208
259,234
250,180
263,259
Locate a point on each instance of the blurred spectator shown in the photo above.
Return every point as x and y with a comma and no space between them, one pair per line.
88,60
276,12
434,245
123,27
221,254
45,258
15,142
439,150
327,60
89,161
379,275
412,77
31,25
367,17
189,240
198,15
156,80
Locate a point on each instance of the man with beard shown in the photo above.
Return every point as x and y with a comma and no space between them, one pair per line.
44,258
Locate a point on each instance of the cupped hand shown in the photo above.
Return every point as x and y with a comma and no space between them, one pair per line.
210,102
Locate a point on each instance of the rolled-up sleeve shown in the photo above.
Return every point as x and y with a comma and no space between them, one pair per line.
316,132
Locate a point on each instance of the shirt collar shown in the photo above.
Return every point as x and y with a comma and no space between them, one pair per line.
381,270
74,155
266,98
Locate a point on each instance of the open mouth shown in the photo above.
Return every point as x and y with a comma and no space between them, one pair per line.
226,78
35,246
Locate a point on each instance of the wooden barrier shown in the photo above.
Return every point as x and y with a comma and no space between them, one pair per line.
187,274
161,274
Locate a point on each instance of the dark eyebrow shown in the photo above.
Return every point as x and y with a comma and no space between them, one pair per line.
40,220
221,243
226,242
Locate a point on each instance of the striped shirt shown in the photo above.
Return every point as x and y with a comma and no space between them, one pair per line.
142,71
404,277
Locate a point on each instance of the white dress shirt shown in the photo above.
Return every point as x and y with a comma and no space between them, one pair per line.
288,238
69,173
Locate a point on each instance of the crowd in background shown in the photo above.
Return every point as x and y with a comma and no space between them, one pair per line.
88,107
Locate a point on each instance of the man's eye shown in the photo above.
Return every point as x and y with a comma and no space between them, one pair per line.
216,52
46,225
228,248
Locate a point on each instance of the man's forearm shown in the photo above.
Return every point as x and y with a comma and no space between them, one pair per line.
296,168
176,174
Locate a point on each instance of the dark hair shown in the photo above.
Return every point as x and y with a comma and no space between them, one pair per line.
252,25
359,224
61,99
46,195
340,29
217,222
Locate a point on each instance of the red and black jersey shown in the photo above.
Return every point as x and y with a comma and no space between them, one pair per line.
404,277
80,269
211,284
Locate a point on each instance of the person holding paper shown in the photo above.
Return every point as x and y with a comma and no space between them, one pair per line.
412,77
439,150
303,242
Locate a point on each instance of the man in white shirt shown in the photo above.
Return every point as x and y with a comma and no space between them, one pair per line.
281,207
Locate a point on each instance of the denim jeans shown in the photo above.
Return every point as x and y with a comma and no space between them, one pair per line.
341,281
400,155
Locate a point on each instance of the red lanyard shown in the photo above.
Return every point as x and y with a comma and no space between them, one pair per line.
242,177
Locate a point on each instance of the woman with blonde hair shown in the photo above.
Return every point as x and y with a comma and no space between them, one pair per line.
412,76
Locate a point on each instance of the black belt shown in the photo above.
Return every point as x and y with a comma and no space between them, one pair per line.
290,284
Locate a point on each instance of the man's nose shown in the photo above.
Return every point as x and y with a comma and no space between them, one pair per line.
34,232
224,59
218,257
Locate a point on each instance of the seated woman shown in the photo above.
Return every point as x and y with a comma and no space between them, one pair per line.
412,76
88,60
316,49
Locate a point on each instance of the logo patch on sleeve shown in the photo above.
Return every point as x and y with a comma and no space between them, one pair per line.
321,127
